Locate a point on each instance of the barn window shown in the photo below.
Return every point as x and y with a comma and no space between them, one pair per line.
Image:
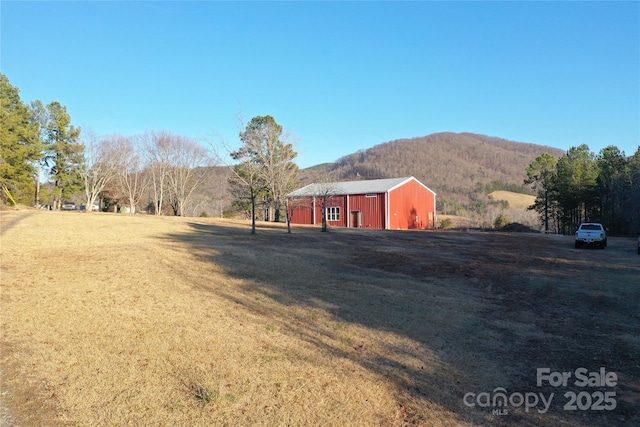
333,214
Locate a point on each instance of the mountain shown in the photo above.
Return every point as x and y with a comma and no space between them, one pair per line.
462,168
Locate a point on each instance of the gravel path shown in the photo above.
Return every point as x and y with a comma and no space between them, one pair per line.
7,220
6,419
10,218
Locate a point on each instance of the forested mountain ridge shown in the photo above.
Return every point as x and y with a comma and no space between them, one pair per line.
460,167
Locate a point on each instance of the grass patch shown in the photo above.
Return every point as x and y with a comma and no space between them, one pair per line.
339,326
201,393
205,395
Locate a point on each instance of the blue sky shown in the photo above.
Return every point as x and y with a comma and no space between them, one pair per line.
341,76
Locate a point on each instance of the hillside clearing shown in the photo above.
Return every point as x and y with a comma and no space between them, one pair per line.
515,200
114,319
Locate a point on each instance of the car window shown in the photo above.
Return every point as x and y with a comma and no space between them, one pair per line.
590,227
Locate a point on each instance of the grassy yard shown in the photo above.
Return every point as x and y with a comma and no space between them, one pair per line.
112,319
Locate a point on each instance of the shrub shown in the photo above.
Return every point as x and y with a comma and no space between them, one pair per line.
501,221
446,223
229,213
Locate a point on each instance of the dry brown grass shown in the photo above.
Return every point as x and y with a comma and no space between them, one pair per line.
515,200
113,320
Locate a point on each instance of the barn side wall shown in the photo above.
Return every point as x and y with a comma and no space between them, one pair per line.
412,206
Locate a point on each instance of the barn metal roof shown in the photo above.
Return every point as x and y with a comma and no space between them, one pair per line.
351,187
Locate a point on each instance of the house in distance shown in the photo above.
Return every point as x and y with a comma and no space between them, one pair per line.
384,204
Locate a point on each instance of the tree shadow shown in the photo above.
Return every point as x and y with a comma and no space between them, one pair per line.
463,313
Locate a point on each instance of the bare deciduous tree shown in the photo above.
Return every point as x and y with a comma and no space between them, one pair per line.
283,173
247,181
187,162
326,188
102,161
157,147
132,179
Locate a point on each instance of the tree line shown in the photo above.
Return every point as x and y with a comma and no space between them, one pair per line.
158,171
39,142
582,186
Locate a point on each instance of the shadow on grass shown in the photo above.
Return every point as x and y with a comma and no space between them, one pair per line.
472,311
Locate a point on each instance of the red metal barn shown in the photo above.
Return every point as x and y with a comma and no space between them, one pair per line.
391,204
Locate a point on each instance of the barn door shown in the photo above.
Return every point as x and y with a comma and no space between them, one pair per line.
356,219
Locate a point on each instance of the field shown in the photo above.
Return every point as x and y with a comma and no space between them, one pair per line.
112,319
515,200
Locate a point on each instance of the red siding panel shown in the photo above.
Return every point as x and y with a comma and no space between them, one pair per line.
371,210
301,211
412,207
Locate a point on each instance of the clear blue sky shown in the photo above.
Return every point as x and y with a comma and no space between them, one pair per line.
341,76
